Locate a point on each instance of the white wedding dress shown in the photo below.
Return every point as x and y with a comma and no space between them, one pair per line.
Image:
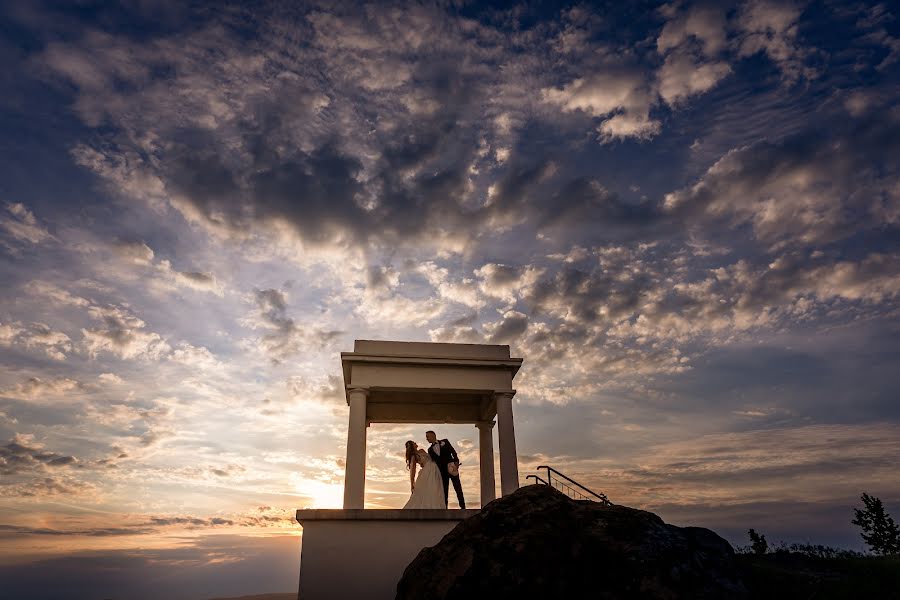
429,491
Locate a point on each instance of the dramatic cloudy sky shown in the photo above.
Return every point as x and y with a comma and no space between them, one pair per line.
683,216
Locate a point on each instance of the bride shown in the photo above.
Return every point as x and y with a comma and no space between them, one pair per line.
428,488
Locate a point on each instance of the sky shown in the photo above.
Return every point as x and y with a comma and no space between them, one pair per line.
683,216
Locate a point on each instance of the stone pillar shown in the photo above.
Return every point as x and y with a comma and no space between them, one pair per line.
509,468
355,467
486,458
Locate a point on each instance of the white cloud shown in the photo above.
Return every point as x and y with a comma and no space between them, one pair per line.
197,280
464,290
159,274
771,27
122,334
53,294
799,190
456,334
505,282
196,357
621,97
110,378
35,388
681,76
283,336
706,24
512,325
134,251
40,336
126,173
21,224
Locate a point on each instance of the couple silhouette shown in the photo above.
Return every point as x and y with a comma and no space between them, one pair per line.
437,467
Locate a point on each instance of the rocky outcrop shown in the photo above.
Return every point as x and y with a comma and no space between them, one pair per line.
538,542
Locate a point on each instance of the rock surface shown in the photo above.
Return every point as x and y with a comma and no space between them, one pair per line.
538,542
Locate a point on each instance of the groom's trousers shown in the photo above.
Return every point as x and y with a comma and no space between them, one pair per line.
447,478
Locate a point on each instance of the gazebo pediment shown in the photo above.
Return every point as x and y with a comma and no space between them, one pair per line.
414,382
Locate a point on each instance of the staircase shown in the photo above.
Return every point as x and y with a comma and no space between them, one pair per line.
568,486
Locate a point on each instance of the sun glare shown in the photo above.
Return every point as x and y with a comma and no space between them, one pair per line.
320,493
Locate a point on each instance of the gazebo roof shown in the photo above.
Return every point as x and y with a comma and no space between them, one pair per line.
421,382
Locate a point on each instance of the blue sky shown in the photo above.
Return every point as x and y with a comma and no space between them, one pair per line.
683,216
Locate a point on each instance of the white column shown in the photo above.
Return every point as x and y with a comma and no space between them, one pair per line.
509,468
486,458
355,468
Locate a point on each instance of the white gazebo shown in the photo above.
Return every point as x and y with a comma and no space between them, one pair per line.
358,552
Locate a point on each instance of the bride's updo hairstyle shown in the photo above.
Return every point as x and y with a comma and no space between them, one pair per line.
410,453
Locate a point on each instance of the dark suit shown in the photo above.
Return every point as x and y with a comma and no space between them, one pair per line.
447,455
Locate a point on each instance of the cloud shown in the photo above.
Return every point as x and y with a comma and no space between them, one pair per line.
18,530
35,388
43,487
620,97
40,336
872,279
159,274
134,251
322,192
873,21
326,390
17,458
506,282
284,337
196,357
197,280
127,174
771,27
122,334
315,170
53,294
191,522
21,224
692,42
227,471
681,76
737,467
456,334
415,295
463,291
806,189
510,327
704,24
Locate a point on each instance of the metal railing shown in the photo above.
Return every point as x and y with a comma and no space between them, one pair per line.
568,486
537,479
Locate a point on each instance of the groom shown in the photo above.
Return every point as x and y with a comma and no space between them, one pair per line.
442,453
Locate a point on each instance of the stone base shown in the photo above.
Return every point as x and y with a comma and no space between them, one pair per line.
361,553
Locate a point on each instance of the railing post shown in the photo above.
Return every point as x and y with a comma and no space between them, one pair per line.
549,481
